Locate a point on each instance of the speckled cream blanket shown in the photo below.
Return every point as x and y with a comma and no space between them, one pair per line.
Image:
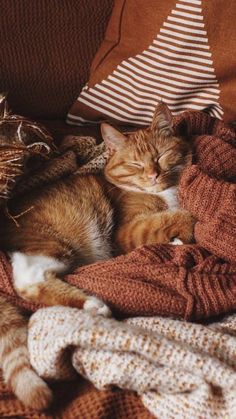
180,370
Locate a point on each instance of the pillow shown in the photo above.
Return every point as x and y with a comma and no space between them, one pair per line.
46,51
181,52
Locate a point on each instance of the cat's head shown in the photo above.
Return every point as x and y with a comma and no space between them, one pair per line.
147,160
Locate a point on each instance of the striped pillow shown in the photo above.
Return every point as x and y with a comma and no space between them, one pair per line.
181,52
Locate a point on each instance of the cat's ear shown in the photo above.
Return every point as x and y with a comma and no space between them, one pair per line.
162,121
113,138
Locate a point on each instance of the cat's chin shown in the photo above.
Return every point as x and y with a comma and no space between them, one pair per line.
131,188
153,190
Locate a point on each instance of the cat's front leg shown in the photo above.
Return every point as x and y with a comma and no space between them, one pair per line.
161,227
180,227
36,279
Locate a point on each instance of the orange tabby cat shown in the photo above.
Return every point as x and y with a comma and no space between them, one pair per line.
83,219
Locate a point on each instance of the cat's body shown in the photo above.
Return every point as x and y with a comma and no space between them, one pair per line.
54,227
88,218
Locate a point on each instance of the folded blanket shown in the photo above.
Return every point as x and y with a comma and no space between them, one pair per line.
180,370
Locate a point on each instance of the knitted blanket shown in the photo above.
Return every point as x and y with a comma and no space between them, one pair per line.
180,370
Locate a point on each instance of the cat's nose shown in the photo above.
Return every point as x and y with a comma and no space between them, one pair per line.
153,177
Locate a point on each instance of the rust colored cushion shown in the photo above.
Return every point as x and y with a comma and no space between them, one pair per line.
180,52
46,50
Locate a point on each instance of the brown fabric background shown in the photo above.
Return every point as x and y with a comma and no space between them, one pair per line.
133,26
46,50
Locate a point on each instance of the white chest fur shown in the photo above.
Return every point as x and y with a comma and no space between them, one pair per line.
170,197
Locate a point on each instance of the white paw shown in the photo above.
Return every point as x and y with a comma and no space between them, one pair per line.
95,306
176,241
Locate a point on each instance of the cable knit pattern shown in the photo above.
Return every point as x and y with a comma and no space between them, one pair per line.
223,157
180,281
207,188
205,195
179,370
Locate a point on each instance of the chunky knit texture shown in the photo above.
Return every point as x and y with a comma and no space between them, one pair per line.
175,367
180,281
216,217
208,189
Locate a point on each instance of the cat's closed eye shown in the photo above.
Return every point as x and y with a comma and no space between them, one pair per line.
162,160
168,160
137,164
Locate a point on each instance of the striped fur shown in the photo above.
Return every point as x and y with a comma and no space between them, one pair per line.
14,359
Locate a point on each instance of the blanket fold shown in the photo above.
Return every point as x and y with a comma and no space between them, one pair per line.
178,369
180,281
213,203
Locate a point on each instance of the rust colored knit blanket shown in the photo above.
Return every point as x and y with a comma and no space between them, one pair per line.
191,282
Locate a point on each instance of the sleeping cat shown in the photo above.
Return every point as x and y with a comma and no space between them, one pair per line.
86,218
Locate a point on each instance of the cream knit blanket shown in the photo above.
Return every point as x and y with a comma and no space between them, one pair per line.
180,370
